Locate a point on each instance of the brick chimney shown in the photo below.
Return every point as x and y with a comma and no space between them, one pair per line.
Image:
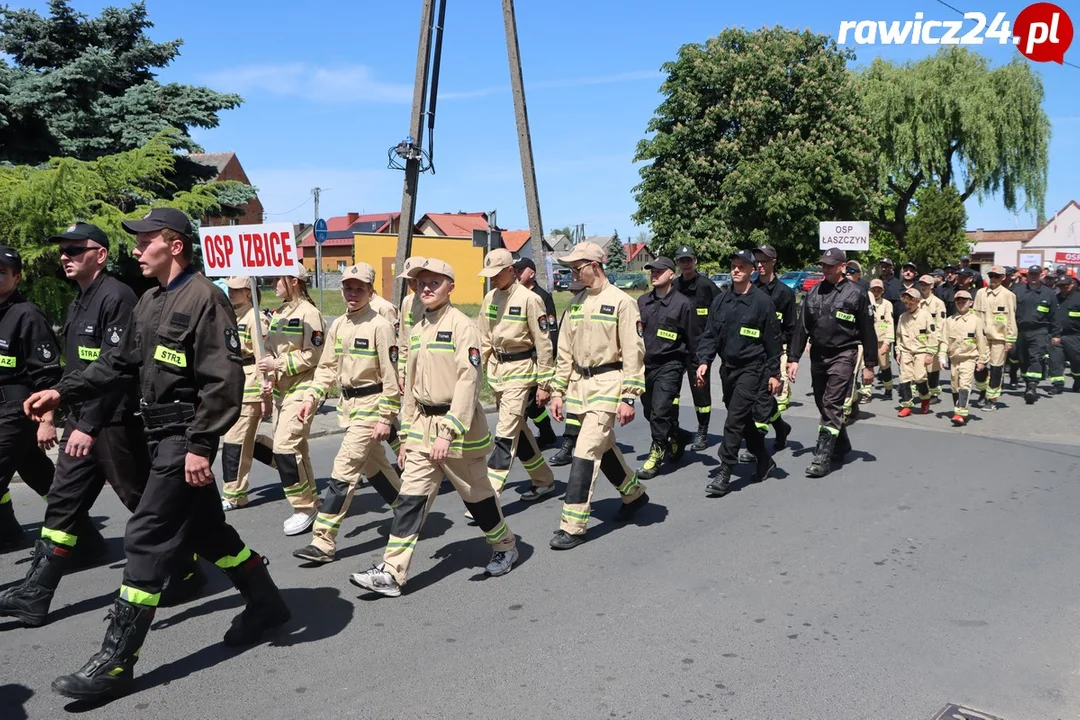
353,217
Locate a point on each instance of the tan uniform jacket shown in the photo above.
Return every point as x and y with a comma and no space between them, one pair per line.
600,327
296,338
964,338
918,333
883,320
360,352
385,308
444,369
411,312
937,308
997,308
252,376
514,321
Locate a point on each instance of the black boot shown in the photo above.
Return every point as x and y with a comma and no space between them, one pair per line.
566,452
1031,392
842,446
547,437
783,429
701,438
184,585
721,485
28,602
1057,389
265,607
90,550
1011,384
1076,384
678,442
763,467
887,395
110,673
11,532
822,455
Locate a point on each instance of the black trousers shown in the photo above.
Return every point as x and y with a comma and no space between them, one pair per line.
1034,350
748,409
1070,346
19,451
173,519
702,395
662,386
1056,364
119,456
830,373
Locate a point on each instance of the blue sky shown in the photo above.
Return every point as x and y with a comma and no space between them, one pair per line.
328,87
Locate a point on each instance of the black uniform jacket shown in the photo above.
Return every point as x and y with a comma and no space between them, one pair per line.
835,317
29,352
665,327
1035,308
783,299
742,330
701,291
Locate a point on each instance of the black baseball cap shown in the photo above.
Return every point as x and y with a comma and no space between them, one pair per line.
885,261
10,257
162,218
937,273
1064,280
746,256
685,251
525,263
1037,269
768,251
967,272
833,256
965,258
83,231
910,264
661,263
1010,270
951,268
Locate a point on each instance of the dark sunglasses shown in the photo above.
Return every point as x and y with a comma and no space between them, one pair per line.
72,252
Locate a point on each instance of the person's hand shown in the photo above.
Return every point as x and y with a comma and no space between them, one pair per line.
440,450
197,470
867,376
979,367
79,444
267,390
305,411
702,371
792,371
1056,341
774,385
381,431
943,361
46,434
267,364
625,414
884,349
1008,347
556,407
928,360
401,385
267,408
401,456
542,397
41,402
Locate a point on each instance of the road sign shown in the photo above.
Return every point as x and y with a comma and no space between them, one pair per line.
1067,258
253,250
844,234
320,230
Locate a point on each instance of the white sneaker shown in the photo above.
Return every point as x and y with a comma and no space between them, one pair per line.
228,505
502,561
299,522
536,492
377,580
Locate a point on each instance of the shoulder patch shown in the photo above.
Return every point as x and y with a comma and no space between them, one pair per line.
232,340
113,335
46,352
607,309
444,336
316,337
393,354
640,329
474,356
542,321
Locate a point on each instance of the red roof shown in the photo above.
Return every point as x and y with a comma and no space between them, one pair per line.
514,240
634,249
458,224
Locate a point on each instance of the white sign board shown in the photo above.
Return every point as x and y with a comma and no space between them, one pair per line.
1027,259
844,234
252,250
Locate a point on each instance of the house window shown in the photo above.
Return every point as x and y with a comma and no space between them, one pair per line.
341,265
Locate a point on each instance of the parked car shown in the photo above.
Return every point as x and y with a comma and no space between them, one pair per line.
794,279
811,280
562,279
630,281
721,280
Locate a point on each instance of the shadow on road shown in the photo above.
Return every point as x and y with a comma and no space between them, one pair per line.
473,553
651,514
12,699
435,526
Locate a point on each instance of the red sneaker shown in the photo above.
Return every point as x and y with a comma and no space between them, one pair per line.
925,407
959,420
904,412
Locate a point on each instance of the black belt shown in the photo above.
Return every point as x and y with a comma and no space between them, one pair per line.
166,414
358,392
432,410
14,393
248,362
511,357
597,369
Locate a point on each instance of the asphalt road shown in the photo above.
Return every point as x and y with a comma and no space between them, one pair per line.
936,566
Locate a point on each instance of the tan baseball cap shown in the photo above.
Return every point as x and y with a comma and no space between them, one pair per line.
410,263
926,279
238,282
912,293
495,262
962,295
997,270
585,251
877,283
432,265
360,271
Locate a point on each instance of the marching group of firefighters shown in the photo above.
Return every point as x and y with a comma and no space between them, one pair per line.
152,387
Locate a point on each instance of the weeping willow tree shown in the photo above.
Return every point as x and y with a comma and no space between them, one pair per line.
952,121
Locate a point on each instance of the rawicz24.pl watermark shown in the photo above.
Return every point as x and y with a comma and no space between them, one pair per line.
1041,32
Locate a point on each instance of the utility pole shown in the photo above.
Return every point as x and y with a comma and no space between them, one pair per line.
416,133
318,249
528,169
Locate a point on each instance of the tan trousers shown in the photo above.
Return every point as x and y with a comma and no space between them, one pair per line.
512,438
291,454
913,369
358,456
854,395
784,399
420,479
240,445
595,451
962,379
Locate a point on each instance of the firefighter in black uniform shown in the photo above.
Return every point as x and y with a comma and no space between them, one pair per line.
1056,351
183,346
977,282
744,332
893,286
103,438
946,291
29,360
525,270
665,325
835,319
1068,324
783,299
1037,323
701,291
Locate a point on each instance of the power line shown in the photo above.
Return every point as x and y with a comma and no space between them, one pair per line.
290,211
961,12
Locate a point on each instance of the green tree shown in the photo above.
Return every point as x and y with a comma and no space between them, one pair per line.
85,88
935,233
616,255
951,120
759,137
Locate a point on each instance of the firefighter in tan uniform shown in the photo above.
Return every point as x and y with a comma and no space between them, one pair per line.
292,351
386,309
963,344
445,431
242,442
918,340
515,350
885,327
360,354
996,305
409,314
938,311
599,375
